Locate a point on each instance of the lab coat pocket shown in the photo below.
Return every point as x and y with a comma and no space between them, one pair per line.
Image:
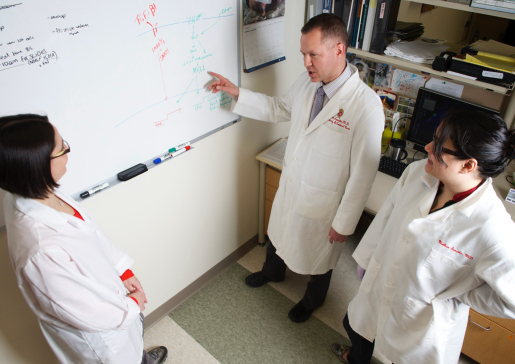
370,275
115,339
441,269
315,203
417,319
330,142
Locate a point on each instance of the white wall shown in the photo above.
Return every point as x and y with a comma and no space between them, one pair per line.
180,219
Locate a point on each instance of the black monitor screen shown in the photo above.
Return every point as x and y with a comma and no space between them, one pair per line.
429,110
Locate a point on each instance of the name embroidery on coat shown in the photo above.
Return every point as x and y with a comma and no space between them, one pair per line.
336,120
454,250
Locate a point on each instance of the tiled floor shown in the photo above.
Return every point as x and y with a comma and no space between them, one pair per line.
185,349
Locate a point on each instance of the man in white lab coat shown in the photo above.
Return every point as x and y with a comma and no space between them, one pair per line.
330,162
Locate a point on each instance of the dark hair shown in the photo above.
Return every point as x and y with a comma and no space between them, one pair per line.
331,26
479,135
26,143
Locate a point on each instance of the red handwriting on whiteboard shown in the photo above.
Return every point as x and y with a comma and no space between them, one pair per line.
142,17
164,54
160,122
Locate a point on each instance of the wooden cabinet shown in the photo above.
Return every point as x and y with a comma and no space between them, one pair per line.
272,184
489,340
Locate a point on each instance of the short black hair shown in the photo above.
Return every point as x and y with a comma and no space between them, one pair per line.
331,26
479,135
26,143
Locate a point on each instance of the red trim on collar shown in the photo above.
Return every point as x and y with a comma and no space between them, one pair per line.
77,214
461,196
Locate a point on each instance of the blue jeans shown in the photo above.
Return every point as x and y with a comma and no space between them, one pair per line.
361,350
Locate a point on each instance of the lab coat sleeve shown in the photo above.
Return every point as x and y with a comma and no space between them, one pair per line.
496,295
65,293
364,160
367,245
121,260
265,108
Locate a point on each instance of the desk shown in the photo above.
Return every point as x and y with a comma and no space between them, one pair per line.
383,185
263,162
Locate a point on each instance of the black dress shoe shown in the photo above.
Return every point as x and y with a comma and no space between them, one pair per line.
299,313
256,280
158,355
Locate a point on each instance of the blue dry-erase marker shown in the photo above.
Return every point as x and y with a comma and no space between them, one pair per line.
163,158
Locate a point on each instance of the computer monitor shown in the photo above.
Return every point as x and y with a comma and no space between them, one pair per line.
429,110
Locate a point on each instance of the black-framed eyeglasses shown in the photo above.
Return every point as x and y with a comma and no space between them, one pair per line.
445,150
66,150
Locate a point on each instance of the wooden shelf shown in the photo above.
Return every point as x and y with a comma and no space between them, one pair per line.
462,7
426,68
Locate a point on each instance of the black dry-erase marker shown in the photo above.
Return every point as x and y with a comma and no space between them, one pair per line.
94,190
132,172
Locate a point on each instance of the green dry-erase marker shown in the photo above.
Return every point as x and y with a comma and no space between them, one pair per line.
171,150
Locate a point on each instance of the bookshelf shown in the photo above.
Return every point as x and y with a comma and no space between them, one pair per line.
509,112
470,9
425,68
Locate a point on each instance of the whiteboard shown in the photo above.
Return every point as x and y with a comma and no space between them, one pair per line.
123,81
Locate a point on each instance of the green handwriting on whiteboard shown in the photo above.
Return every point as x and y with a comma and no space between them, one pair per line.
216,101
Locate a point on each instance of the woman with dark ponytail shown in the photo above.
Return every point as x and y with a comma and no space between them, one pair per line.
440,244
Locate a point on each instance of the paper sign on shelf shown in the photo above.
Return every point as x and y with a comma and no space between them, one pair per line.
445,87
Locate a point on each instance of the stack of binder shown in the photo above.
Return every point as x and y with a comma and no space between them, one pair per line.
405,31
367,21
486,67
487,61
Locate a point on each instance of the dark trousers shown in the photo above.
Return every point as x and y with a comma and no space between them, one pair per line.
361,350
316,291
145,359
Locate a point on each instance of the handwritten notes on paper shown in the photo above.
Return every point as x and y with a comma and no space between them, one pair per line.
445,87
407,83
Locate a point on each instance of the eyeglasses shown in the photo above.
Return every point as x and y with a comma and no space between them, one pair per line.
445,150
66,150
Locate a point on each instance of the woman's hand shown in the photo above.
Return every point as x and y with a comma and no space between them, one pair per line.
140,297
133,284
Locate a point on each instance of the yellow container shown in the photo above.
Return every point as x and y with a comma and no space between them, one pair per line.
385,140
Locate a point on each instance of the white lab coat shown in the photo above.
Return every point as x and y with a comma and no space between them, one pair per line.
423,270
328,169
69,273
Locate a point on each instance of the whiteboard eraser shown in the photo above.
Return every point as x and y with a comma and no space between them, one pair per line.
132,172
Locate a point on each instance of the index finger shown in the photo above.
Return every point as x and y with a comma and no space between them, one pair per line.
220,77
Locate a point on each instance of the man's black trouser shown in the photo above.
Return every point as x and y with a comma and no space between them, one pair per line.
316,291
361,350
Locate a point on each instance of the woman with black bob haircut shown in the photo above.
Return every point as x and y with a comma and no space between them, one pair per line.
441,243
77,281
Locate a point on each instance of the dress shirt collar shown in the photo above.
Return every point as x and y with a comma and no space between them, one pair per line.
332,87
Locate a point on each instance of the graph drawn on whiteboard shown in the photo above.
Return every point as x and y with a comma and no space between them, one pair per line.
123,82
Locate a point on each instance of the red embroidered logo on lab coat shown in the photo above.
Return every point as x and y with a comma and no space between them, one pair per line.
454,250
336,120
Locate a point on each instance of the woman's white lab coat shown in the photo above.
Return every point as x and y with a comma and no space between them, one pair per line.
328,169
69,273
423,270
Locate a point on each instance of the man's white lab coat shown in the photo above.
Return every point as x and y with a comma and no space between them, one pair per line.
69,273
423,270
328,169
